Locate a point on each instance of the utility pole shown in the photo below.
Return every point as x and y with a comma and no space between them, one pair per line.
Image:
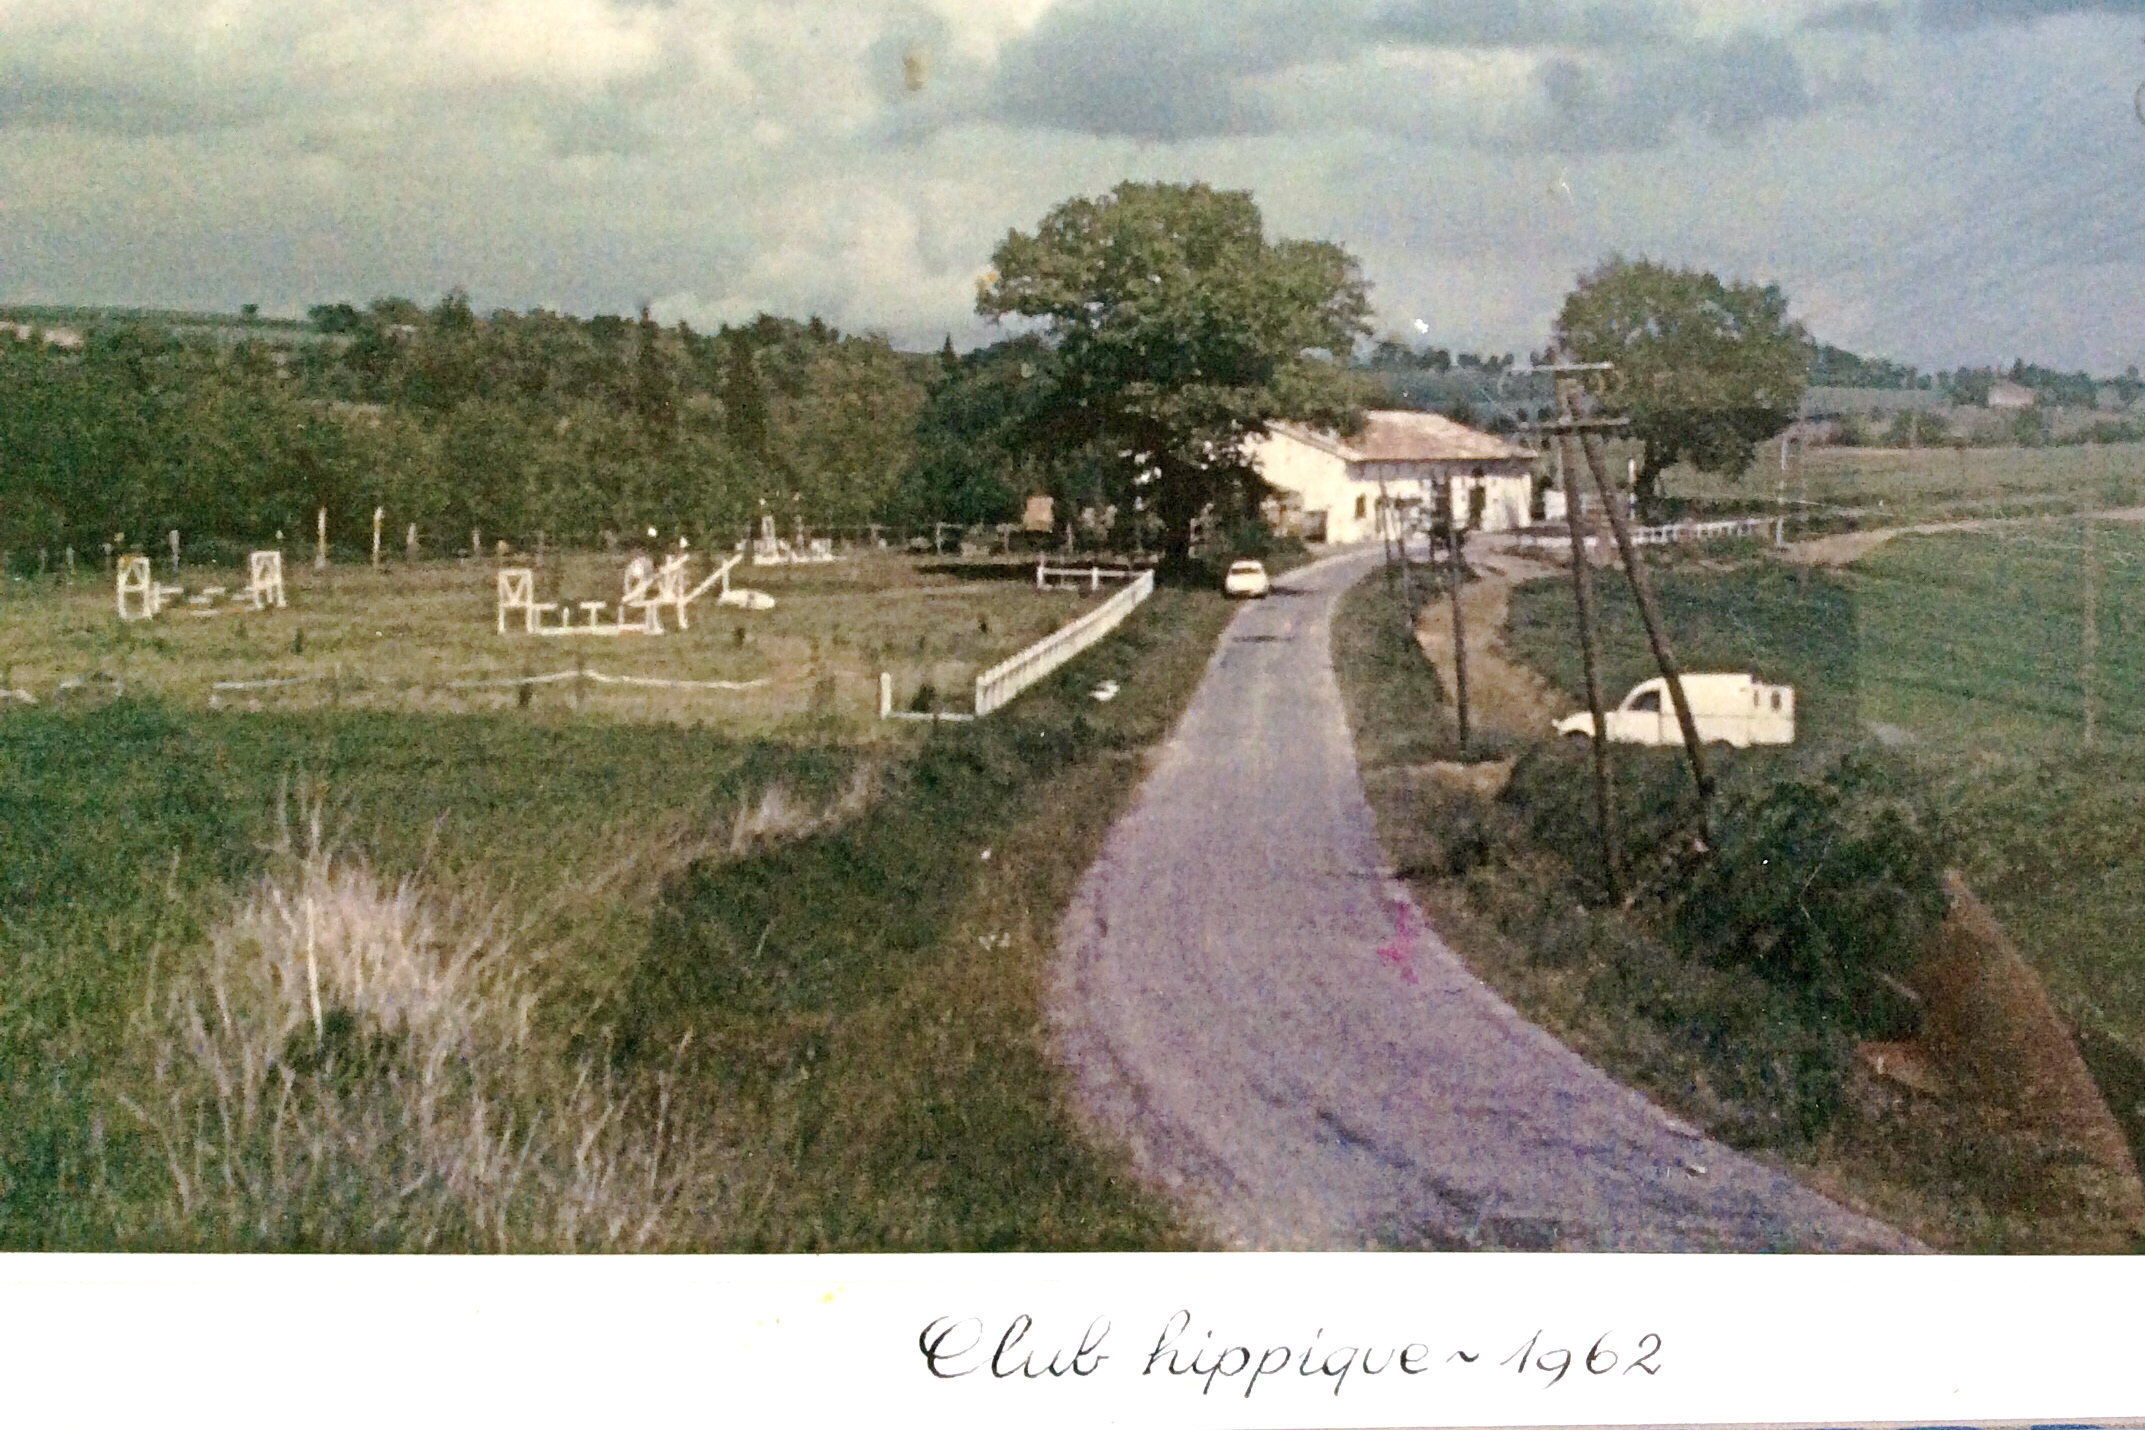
2091,640
1459,625
1391,536
1568,421
1642,592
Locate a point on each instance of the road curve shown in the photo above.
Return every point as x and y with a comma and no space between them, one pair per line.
1253,1005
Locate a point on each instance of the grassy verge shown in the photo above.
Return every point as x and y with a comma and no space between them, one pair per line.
865,1065
1675,994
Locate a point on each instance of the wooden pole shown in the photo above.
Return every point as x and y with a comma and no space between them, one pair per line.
2091,642
409,544
1583,598
1642,592
378,514
1459,626
173,538
320,542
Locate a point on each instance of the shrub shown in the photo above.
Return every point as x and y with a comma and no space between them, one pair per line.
1826,882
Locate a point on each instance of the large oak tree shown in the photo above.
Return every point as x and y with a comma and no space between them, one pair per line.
1705,369
1175,331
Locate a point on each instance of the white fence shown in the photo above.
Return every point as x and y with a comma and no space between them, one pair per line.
1003,681
1072,577
1669,535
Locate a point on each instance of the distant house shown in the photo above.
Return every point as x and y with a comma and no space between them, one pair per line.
2011,396
1389,477
1039,515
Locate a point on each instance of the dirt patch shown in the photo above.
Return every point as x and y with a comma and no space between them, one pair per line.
1505,698
1850,546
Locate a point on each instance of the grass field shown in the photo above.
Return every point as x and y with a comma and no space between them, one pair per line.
394,639
1929,483
1964,650
769,984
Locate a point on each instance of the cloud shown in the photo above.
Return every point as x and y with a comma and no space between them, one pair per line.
1161,71
1590,24
1634,102
1967,14
1863,16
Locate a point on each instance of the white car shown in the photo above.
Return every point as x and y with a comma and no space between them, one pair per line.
1246,578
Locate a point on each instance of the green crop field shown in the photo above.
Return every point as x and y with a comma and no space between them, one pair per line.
398,638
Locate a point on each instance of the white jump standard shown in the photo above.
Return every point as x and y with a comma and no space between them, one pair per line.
649,591
138,584
142,597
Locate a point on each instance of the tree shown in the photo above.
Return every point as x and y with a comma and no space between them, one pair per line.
1705,370
1176,331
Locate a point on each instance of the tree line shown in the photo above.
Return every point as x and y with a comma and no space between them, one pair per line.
509,424
1152,333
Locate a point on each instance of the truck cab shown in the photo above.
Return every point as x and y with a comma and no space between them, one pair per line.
1738,710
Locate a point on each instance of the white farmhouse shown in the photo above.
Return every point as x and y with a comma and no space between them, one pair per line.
1380,481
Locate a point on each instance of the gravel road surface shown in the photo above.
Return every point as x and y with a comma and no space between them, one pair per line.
1252,1004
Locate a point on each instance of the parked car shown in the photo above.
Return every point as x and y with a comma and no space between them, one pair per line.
1734,710
1246,578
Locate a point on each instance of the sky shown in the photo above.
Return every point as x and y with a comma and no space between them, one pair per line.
1942,182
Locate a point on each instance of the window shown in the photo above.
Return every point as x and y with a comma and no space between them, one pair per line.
1776,700
1649,703
1361,508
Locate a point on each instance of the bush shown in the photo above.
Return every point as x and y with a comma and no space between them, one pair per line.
1552,793
1826,882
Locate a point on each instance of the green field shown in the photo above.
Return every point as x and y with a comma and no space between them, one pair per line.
756,982
394,639
1891,485
1963,652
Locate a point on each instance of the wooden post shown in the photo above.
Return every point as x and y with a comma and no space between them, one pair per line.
1459,625
539,546
476,547
1642,592
378,514
70,565
173,538
1583,598
2091,641
320,542
409,544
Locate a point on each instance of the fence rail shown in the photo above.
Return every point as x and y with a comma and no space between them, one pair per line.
1071,577
1668,535
1008,678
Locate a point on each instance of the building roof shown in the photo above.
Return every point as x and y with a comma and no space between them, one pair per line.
1409,437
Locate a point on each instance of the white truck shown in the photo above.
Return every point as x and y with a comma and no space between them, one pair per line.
1737,710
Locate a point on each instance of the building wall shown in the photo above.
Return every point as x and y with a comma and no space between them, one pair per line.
1507,503
1326,483
1319,477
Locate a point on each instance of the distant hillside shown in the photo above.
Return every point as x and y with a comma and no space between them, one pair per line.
223,327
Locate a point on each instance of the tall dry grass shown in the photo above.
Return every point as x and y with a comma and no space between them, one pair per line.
350,1064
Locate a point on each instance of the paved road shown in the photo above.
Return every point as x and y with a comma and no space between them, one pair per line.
1253,1005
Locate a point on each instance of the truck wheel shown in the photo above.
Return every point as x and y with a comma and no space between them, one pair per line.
1578,740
